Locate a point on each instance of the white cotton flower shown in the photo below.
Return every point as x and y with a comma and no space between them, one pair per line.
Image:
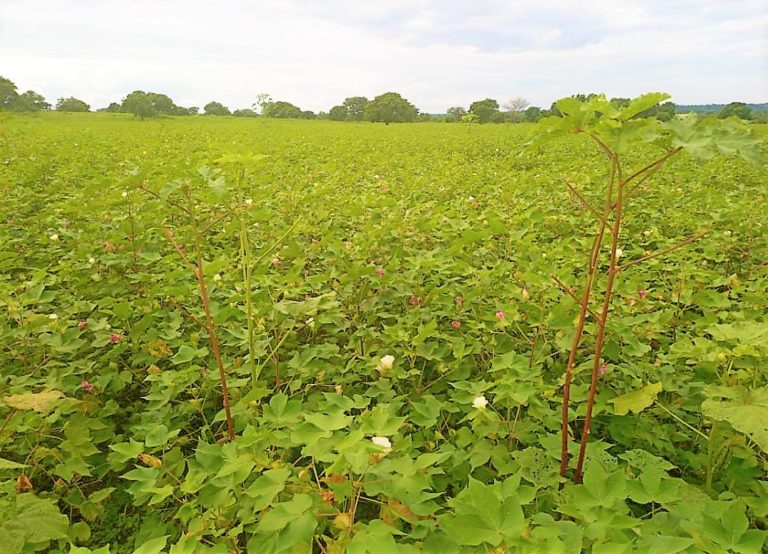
248,201
217,277
125,194
386,362
383,442
91,260
479,402
53,316
619,252
54,237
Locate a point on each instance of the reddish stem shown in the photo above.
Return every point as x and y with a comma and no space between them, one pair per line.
583,310
600,339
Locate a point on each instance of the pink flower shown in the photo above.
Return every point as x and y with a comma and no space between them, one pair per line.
601,369
459,301
87,386
500,315
82,324
455,324
115,338
642,293
414,300
379,272
277,262
632,301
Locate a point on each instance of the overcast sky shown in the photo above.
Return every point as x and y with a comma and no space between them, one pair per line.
437,53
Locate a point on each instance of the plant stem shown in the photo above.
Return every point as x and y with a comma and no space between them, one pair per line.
209,325
245,257
583,310
601,322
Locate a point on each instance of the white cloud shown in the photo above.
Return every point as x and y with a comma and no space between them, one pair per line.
437,54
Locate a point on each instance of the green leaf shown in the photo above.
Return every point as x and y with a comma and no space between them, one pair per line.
152,546
8,464
744,409
636,401
125,451
264,489
642,103
376,537
31,524
284,513
186,354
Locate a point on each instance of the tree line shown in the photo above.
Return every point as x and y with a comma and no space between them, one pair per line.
389,107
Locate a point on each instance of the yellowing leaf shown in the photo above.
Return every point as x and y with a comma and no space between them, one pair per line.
158,348
38,401
636,401
150,460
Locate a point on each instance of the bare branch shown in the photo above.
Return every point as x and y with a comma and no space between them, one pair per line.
652,165
180,250
569,291
168,200
689,240
584,201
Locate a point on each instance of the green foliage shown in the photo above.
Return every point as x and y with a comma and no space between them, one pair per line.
151,104
425,243
455,113
216,108
736,109
245,112
487,111
8,93
281,110
71,104
390,107
29,101
29,523
139,103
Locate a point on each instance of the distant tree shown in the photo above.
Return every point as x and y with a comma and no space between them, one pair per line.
665,111
8,93
487,111
533,114
244,112
29,101
113,107
281,110
355,107
455,113
71,104
514,109
263,100
179,110
308,114
425,117
390,107
621,102
216,108
139,103
162,103
338,113
738,109
193,110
